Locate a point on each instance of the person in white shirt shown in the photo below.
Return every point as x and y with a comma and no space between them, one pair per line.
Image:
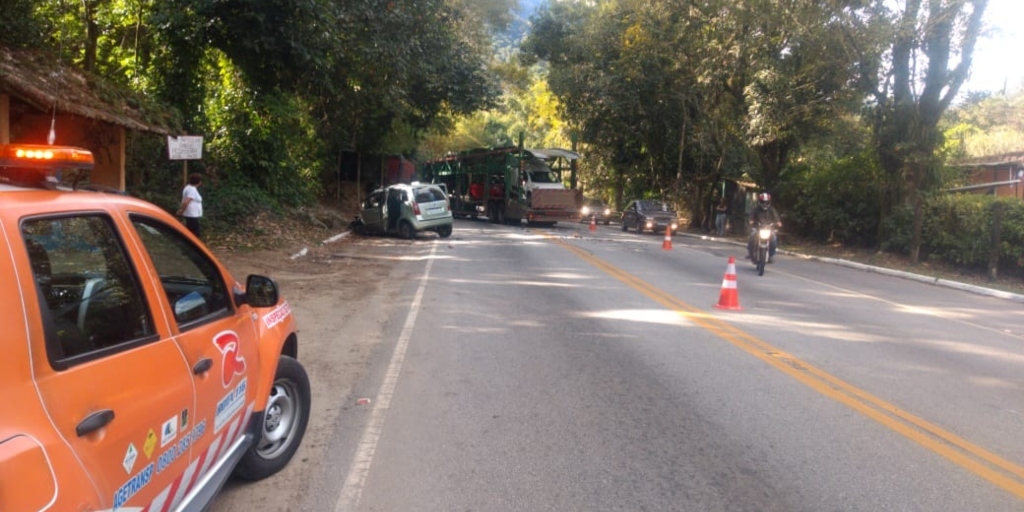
192,204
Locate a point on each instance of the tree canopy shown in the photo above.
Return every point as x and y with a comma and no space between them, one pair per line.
669,98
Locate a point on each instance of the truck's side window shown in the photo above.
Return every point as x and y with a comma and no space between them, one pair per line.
89,292
192,282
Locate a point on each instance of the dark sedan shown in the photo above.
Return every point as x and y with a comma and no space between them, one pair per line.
649,215
597,210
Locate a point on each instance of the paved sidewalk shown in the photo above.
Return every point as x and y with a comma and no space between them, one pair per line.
980,290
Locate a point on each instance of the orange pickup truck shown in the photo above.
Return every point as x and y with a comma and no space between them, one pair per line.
142,374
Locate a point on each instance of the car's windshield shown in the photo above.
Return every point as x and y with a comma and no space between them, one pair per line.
651,205
539,171
543,177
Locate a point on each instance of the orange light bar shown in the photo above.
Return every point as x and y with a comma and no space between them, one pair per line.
39,156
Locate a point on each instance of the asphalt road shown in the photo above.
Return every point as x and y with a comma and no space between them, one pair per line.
563,369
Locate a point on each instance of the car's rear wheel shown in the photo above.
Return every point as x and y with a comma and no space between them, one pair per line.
444,231
406,231
284,423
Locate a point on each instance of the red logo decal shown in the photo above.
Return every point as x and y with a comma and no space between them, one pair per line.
232,364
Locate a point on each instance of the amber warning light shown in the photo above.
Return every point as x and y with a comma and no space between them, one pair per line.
45,157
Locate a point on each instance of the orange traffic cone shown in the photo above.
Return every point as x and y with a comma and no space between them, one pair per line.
593,223
667,244
729,298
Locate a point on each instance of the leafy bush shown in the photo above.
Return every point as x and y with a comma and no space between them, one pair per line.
836,202
958,230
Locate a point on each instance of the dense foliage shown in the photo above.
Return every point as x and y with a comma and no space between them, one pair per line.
278,88
843,109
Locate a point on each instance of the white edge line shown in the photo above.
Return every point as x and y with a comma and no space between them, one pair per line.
352,491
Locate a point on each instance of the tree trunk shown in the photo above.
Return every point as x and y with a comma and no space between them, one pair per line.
773,157
92,34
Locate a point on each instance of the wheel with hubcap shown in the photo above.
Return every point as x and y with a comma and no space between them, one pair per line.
284,423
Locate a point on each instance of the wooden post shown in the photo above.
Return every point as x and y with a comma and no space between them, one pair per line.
997,230
5,119
572,164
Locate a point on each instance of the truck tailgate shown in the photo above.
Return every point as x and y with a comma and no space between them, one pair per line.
554,199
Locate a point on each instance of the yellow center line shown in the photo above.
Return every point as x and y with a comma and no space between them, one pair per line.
995,469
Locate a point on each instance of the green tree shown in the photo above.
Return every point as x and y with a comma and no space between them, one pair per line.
22,29
930,46
985,125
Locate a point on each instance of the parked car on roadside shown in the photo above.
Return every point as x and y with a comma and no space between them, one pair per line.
405,210
138,374
649,215
597,210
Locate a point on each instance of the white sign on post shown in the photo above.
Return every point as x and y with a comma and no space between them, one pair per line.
185,147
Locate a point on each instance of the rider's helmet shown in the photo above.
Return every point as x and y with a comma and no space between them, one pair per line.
764,201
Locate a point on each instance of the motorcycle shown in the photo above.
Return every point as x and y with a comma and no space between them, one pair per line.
764,233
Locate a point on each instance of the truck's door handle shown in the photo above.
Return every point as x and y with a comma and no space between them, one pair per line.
202,366
94,422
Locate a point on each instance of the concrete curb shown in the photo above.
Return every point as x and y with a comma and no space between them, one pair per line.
978,290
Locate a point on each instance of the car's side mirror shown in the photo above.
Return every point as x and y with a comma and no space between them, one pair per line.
260,292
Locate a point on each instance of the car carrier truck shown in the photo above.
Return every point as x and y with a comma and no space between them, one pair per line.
510,184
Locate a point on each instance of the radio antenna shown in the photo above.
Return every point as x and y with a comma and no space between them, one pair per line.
52,136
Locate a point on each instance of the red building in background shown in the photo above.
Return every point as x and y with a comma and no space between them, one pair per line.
998,175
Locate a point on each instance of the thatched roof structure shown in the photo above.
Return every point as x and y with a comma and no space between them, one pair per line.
41,81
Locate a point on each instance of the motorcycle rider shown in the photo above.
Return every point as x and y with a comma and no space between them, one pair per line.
763,213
